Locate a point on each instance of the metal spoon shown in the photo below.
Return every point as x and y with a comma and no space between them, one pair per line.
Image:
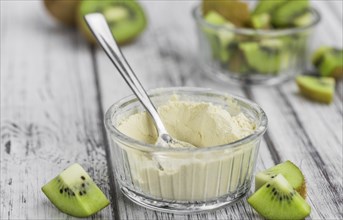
98,25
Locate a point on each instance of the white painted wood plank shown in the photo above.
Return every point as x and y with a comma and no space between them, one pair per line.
329,31
49,112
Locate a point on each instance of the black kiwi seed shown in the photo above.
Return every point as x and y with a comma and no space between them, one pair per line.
268,185
84,192
61,190
83,185
80,193
275,193
273,190
83,178
66,189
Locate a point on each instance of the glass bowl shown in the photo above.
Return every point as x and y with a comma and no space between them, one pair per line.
253,57
184,180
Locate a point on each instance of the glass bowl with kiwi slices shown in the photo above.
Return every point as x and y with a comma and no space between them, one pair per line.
265,45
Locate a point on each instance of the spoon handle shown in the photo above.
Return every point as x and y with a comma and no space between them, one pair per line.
102,33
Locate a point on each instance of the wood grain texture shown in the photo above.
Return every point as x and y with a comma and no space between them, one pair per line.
55,89
49,113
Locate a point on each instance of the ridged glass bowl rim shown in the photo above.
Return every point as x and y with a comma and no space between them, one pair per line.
191,91
197,15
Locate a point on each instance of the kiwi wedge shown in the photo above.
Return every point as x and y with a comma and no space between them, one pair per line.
302,20
260,21
284,15
329,61
219,38
63,10
266,57
278,200
215,18
235,11
320,89
288,170
318,54
74,193
267,6
125,18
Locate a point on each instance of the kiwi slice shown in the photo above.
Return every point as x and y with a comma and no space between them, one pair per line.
63,10
74,193
219,38
235,11
329,61
215,18
267,6
266,56
288,170
260,21
126,18
302,20
318,54
319,89
278,200
284,15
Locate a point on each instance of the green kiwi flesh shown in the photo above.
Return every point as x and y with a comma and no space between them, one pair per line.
267,6
320,89
278,200
126,18
74,192
219,38
318,54
266,56
288,170
215,18
260,21
329,61
302,20
284,15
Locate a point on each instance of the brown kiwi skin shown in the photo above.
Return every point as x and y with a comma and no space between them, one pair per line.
63,10
337,73
302,190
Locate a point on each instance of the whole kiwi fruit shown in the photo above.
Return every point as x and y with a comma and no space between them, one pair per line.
126,19
63,10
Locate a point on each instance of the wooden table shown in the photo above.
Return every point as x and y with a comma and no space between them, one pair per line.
55,89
